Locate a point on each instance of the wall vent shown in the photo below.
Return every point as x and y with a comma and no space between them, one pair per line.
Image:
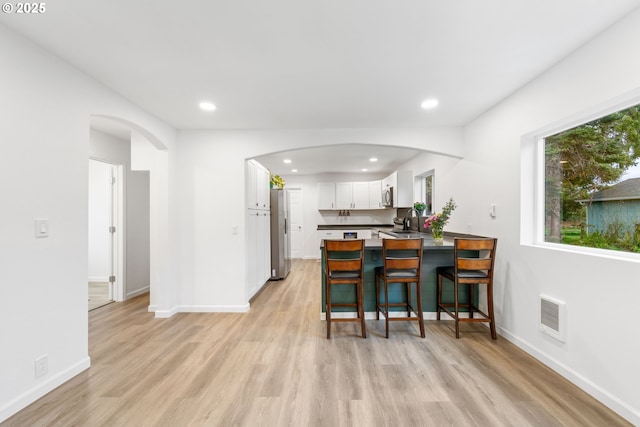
552,317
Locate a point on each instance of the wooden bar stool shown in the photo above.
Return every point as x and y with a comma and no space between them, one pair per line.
402,263
344,265
469,271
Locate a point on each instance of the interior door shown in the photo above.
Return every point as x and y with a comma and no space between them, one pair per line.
295,227
101,232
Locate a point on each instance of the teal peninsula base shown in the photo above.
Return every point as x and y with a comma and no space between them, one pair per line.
434,255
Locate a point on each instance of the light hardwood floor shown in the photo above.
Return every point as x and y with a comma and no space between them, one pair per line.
98,295
274,366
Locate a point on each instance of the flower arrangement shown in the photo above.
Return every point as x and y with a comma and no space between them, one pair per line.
439,220
277,181
420,206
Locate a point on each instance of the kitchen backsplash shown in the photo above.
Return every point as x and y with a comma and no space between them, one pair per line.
356,217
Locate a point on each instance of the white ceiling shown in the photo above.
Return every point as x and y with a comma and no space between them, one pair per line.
310,65
347,158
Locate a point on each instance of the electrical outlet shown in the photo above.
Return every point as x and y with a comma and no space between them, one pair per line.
42,365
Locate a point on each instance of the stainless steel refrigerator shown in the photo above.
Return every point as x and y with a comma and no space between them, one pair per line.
280,235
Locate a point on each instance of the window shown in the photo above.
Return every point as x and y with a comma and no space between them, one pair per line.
423,190
428,193
592,183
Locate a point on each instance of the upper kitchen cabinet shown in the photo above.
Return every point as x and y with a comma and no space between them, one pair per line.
375,195
360,195
326,195
352,195
258,178
349,195
402,184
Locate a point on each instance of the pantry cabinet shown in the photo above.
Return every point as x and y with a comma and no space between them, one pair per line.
258,226
258,178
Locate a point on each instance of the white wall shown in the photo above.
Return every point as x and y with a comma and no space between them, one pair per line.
136,228
600,353
44,138
212,200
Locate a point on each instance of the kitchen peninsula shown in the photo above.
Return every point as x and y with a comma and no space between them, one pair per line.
434,255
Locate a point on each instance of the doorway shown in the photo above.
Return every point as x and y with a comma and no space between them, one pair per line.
296,214
104,230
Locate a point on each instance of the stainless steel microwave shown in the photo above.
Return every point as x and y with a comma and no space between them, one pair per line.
387,197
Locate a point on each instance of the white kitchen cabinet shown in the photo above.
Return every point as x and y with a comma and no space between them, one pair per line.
258,189
352,195
252,251
258,249
360,195
375,195
329,235
326,195
265,241
365,195
258,226
343,195
404,194
263,189
338,234
402,183
252,188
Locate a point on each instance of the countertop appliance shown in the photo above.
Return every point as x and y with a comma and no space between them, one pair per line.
399,224
280,235
387,197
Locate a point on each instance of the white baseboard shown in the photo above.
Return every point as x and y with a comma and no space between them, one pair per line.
35,393
135,293
614,403
152,308
98,279
311,257
202,309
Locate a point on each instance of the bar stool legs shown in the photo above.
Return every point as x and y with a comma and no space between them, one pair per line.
402,264
344,265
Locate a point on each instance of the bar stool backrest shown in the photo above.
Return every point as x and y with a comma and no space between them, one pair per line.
402,257
474,270
344,258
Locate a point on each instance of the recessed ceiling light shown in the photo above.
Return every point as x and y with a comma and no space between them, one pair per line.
429,103
373,159
364,169
294,170
207,106
287,161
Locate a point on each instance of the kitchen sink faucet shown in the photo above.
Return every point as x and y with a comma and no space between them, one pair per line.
407,219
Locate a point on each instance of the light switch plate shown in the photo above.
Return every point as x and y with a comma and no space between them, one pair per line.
42,227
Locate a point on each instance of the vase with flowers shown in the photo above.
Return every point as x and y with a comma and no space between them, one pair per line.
276,181
439,220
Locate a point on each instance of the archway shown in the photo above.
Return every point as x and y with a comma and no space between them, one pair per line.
147,153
